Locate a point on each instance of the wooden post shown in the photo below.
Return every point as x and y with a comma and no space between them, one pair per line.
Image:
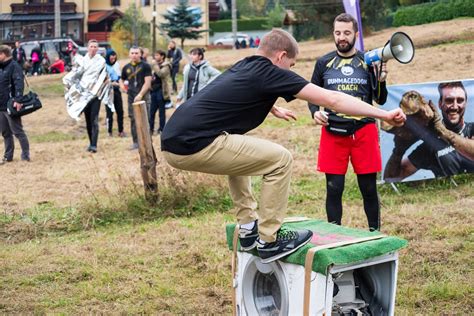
146,151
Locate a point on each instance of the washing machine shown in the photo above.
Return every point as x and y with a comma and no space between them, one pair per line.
362,288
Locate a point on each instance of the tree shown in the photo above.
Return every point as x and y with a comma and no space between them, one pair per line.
182,22
133,27
275,17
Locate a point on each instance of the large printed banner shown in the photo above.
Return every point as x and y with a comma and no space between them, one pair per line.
437,139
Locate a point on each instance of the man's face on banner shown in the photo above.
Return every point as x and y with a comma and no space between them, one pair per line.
453,105
344,36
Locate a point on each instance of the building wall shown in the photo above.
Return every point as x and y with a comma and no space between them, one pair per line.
161,6
84,6
5,5
6,8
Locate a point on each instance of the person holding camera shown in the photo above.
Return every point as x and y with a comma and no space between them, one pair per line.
11,79
349,137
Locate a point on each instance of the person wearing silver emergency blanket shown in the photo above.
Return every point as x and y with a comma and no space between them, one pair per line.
86,86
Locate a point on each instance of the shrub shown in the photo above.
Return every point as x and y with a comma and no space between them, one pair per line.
432,12
253,24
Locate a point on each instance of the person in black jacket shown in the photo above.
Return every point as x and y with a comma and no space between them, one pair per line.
344,137
18,54
11,81
175,54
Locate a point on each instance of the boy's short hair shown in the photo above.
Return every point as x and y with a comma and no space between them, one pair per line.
278,40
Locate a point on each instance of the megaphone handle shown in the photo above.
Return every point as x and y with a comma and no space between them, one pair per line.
376,66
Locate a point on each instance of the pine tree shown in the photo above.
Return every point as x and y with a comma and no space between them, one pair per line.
182,22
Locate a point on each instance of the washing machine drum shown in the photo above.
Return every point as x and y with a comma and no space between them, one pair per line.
264,288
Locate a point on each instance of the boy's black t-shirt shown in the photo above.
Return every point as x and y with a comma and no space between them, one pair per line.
135,75
235,102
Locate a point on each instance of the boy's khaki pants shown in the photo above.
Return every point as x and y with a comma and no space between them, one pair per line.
240,157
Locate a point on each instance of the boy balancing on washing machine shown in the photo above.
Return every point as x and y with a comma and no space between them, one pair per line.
207,134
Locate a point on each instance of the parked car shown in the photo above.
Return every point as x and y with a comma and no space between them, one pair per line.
53,47
65,48
49,50
229,39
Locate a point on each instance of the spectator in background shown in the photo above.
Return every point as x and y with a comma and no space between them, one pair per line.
257,41
92,65
113,69
144,58
251,42
243,43
160,91
175,55
145,53
237,44
45,63
18,54
138,75
196,75
57,67
35,60
11,81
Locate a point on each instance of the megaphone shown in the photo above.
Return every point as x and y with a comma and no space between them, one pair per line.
399,47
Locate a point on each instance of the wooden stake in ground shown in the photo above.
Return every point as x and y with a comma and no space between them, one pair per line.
146,151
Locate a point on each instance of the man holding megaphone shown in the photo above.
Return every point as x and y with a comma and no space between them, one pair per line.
347,137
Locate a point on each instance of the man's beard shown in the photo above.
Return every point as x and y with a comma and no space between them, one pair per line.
455,127
347,48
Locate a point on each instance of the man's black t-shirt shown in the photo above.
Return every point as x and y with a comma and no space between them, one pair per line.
135,75
440,157
235,102
350,75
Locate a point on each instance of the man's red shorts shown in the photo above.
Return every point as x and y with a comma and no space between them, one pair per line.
362,148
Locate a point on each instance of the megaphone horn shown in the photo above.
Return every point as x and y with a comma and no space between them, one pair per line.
400,47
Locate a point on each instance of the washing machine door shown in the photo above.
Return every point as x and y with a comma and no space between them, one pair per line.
264,288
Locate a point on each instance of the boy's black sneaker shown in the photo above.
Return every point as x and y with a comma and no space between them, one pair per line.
248,237
287,242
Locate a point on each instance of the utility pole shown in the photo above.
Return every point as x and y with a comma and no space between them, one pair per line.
135,23
234,21
154,13
57,18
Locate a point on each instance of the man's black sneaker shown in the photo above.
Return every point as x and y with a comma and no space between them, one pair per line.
248,237
288,241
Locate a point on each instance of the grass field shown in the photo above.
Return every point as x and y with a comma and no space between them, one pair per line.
78,237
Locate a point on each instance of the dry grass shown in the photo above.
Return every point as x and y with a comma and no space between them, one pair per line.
181,265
